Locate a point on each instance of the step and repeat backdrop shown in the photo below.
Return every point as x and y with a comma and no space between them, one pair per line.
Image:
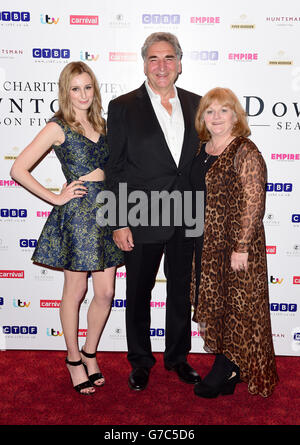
248,46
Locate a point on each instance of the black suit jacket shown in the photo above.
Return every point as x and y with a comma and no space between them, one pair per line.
140,156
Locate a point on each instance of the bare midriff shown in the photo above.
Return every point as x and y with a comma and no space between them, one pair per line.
95,175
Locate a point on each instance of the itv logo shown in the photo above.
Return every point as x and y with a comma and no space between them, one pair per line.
274,280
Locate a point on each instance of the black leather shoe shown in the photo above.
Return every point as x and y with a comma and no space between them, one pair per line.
185,372
138,378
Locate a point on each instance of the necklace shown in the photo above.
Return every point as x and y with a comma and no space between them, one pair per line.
215,149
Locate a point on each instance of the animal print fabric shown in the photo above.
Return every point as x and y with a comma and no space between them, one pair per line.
233,307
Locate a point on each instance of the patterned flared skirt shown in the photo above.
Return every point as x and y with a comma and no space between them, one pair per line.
72,239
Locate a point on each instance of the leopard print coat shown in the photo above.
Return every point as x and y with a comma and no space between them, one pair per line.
233,307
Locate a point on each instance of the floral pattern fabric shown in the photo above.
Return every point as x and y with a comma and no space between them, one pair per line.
71,238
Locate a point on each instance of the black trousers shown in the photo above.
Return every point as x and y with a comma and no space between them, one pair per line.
142,265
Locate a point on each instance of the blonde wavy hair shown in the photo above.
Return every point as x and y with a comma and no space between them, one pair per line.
66,111
225,97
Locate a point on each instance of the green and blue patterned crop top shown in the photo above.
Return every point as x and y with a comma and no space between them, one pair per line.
79,155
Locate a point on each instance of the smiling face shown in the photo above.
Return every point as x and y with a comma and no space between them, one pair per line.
81,92
219,119
161,67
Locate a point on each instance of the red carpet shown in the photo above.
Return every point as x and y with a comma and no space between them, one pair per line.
36,390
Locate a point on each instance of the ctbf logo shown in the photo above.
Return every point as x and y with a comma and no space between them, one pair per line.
13,213
14,16
50,53
204,55
159,332
23,330
161,19
27,242
283,307
118,303
279,187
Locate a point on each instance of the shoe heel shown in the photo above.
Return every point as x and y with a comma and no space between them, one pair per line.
229,387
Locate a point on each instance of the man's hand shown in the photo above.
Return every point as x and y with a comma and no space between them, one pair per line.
123,239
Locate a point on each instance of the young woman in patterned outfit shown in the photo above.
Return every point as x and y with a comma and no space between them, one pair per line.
71,239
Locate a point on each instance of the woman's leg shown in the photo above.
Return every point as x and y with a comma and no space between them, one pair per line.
98,312
75,286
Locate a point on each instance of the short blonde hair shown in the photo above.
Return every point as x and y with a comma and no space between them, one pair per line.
65,110
226,97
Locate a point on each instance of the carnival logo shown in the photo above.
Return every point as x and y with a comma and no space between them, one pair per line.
122,57
50,304
84,20
12,274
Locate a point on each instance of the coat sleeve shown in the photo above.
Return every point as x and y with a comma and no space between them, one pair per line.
252,172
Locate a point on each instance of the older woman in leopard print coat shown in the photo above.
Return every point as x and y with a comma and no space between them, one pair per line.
229,288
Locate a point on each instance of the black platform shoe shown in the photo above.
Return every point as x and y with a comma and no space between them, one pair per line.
222,379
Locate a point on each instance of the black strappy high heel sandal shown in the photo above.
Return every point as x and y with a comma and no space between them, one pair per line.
93,377
83,385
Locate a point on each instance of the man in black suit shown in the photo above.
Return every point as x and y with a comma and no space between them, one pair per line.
152,142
